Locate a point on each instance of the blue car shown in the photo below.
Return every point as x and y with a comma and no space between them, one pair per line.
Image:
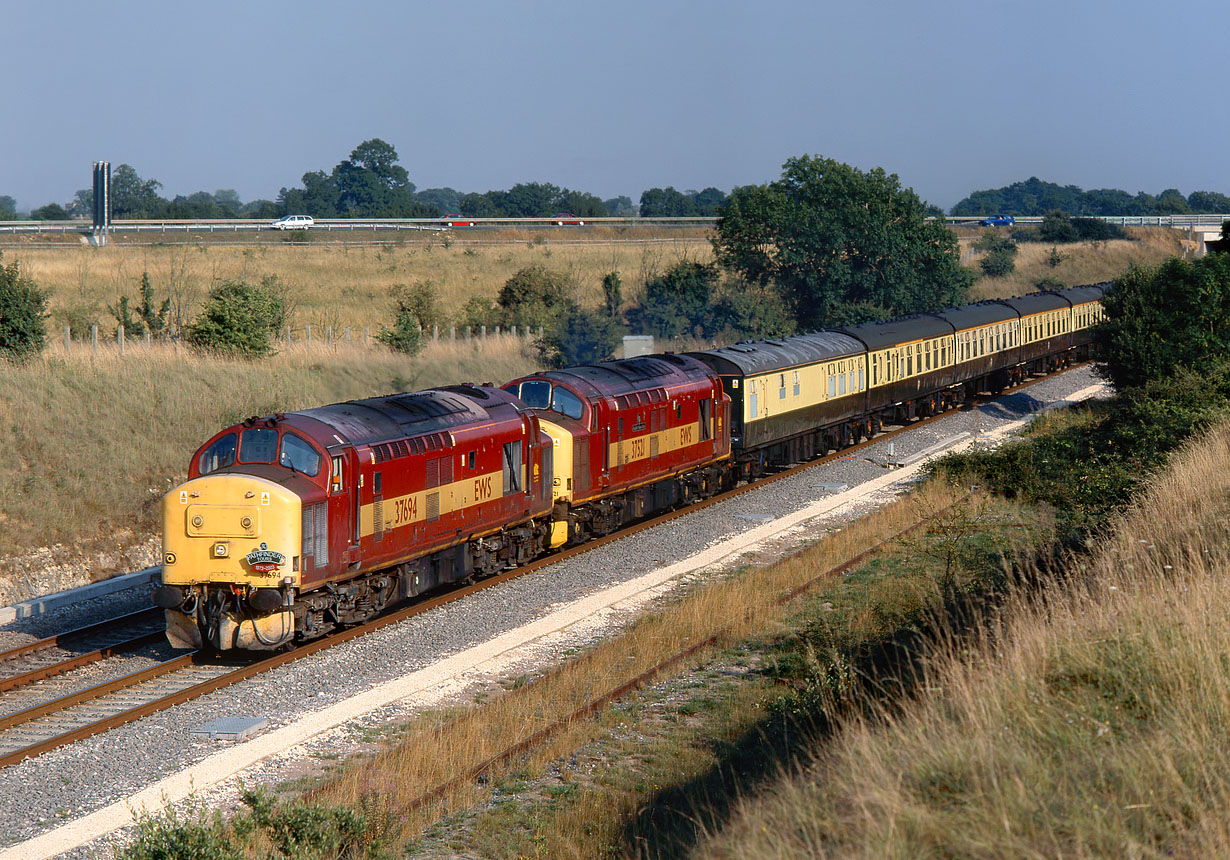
997,221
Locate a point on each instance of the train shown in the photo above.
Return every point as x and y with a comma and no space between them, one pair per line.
294,524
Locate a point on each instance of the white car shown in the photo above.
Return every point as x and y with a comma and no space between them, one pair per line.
293,222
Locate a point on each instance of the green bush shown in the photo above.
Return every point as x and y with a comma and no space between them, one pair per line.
416,312
23,312
1162,317
578,337
240,318
1097,230
1057,227
999,262
532,297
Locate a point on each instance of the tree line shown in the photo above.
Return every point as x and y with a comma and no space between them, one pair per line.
370,184
1033,197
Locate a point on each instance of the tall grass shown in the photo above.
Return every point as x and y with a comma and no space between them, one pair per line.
1090,723
90,441
1084,263
443,745
343,285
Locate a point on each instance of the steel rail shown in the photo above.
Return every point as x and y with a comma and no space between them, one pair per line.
79,660
59,639
394,617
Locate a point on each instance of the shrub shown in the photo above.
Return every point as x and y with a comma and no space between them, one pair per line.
579,337
1049,283
999,262
676,302
478,311
1097,230
240,318
416,311
532,297
23,311
1057,227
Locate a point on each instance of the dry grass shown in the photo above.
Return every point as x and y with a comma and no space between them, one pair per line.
90,441
345,284
1094,725
1086,263
443,746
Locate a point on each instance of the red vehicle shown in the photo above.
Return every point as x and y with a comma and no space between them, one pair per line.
456,221
636,436
293,524
564,219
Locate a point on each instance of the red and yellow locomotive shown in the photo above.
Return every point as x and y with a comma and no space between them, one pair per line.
294,524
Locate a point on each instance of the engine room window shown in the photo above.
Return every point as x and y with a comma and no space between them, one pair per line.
258,445
536,394
299,455
565,402
217,455
512,468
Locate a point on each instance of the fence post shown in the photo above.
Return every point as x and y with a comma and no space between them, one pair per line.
147,338
367,335
288,335
483,332
497,331
329,335
309,335
514,331
119,333
347,337
68,339
435,332
467,332
540,332
452,332
94,337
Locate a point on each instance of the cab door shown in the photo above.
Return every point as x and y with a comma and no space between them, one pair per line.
344,506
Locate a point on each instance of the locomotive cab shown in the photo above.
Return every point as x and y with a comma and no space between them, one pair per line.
234,541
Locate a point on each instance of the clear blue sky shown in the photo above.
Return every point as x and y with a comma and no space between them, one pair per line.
615,97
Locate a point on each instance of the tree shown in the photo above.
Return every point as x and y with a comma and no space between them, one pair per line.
830,236
23,310
240,318
445,200
579,337
50,212
612,293
676,303
8,208
666,203
622,207
1057,227
134,197
1163,317
1208,201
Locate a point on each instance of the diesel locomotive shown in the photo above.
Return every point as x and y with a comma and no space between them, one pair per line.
294,524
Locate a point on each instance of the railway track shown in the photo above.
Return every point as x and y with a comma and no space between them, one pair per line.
73,649
100,708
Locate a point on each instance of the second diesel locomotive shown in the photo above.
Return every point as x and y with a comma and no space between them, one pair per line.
294,524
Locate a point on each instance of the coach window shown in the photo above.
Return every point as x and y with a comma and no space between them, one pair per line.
217,455
258,445
781,386
298,455
796,383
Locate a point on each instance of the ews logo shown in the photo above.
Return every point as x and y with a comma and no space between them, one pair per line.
482,488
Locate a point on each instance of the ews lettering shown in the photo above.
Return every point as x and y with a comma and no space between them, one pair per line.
685,435
482,488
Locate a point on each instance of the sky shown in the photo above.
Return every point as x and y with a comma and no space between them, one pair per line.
614,97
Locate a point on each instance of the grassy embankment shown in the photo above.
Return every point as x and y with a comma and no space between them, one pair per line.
1090,723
